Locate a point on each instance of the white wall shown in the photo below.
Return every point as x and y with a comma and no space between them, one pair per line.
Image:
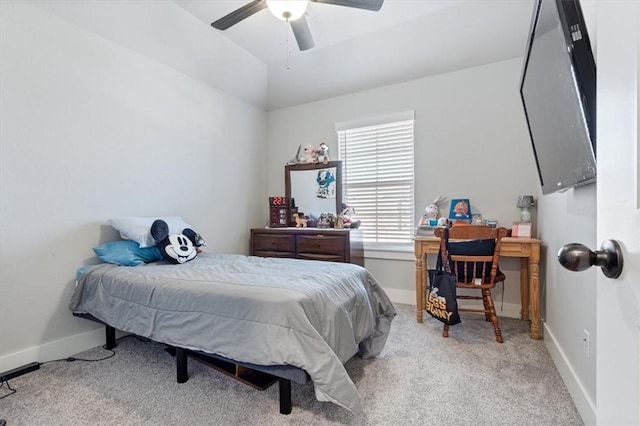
569,297
91,130
471,141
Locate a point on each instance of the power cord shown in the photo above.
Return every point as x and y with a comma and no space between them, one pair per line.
4,381
71,359
112,354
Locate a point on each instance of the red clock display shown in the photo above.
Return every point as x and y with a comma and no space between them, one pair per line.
278,201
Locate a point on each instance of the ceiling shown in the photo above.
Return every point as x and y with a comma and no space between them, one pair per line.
265,37
356,50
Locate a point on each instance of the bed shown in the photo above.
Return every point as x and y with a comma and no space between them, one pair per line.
281,316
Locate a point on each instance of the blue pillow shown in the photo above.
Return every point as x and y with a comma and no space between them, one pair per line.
127,253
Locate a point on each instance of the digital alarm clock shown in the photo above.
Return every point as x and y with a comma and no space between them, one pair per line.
278,212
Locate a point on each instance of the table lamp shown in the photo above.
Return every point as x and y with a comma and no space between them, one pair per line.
524,203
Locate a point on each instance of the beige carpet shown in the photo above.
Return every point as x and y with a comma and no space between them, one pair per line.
420,379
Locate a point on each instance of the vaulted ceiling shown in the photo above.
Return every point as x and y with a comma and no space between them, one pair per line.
357,49
265,37
354,49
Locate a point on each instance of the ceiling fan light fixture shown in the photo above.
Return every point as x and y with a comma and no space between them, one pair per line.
287,10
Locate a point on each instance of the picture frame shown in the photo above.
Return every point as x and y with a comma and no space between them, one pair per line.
460,209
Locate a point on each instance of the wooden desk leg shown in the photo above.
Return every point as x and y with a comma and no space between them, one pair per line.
524,290
534,293
419,289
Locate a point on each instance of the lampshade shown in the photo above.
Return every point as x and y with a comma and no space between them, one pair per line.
525,201
287,10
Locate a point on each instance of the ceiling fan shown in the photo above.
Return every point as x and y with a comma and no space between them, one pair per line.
291,11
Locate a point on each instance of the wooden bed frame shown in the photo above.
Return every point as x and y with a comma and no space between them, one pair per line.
257,376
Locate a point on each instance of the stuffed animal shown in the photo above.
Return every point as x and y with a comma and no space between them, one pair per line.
323,153
308,155
176,248
432,211
347,219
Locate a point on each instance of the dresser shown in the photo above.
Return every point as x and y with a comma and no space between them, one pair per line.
334,245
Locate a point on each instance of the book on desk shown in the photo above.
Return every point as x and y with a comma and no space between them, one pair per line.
424,231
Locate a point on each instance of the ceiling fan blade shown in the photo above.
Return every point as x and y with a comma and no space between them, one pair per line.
302,33
239,14
374,5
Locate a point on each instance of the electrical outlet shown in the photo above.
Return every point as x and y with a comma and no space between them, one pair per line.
586,343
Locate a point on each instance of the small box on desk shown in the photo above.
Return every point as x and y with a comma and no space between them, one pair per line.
521,229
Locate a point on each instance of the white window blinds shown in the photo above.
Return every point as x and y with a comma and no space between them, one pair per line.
377,169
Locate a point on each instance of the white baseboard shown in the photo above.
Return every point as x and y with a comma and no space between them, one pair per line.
408,297
584,404
57,349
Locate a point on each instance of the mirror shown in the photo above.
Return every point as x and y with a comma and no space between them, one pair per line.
316,188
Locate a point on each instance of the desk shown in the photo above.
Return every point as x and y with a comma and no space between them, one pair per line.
527,249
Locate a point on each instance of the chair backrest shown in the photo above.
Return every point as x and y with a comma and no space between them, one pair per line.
474,251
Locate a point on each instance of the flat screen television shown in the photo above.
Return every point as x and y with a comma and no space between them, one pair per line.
558,91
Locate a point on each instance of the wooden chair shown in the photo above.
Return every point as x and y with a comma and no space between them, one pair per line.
475,251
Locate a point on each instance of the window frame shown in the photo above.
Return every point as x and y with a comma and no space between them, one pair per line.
363,130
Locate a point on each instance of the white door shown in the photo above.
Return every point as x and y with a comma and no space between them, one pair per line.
618,211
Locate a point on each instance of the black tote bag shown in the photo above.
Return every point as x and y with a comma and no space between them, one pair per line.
442,303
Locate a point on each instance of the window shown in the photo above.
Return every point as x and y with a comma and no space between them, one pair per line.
377,176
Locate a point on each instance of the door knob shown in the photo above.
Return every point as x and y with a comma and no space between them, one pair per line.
578,257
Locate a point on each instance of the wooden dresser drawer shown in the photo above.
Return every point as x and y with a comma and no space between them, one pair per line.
339,245
328,244
281,254
274,242
318,256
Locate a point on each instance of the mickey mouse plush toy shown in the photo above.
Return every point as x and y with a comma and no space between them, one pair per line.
176,248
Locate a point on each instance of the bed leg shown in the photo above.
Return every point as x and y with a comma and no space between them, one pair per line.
285,396
181,364
111,337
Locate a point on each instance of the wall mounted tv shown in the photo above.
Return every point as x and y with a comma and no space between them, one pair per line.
558,90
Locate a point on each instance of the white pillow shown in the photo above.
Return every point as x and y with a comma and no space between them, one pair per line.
138,229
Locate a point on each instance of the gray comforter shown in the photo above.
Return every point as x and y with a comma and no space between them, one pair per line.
309,314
